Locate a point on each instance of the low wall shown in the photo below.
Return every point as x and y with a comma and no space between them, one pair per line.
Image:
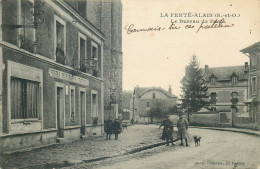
72,133
14,142
242,122
212,120
204,119
97,130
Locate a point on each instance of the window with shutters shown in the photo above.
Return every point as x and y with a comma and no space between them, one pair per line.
25,99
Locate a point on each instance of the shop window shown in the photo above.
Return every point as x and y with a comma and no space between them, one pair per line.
25,99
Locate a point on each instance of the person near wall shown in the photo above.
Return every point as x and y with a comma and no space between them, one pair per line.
117,128
108,128
167,130
183,126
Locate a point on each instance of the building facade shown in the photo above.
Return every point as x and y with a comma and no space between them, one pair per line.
145,98
106,15
52,62
227,87
253,52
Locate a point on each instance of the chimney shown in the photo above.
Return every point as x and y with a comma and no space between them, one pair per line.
206,69
246,67
170,89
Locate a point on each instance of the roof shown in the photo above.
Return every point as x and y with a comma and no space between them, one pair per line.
247,49
224,73
139,91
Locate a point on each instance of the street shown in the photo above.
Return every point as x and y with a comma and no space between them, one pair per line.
219,149
85,149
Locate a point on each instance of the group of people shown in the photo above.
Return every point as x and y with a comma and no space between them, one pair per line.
182,126
112,128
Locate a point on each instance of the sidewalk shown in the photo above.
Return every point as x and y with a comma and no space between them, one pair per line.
245,131
133,139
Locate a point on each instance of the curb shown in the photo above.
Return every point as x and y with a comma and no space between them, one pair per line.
231,130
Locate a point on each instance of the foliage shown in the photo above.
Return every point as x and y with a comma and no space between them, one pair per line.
156,112
194,90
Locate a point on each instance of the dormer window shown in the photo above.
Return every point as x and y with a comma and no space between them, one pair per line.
153,95
233,78
213,79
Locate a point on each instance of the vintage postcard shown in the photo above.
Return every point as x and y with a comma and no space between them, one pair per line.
130,84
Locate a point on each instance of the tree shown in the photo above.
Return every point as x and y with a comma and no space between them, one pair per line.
156,111
172,110
194,90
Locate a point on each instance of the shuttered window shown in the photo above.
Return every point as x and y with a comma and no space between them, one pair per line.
25,99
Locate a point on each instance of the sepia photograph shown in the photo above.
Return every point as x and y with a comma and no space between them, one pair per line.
129,84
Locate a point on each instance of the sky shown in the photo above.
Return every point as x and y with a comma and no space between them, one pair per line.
158,58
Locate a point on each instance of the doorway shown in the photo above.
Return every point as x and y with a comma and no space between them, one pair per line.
60,111
82,111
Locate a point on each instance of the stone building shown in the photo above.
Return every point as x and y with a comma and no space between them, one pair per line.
227,86
227,89
52,58
145,98
106,15
253,52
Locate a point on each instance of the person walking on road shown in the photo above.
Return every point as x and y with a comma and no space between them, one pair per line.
183,126
167,130
108,128
117,128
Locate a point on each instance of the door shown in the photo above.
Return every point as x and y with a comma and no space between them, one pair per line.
82,111
59,112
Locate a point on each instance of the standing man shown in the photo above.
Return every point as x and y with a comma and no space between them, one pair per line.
183,126
116,128
109,128
167,130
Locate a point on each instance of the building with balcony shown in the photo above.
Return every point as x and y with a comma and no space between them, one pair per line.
253,52
145,98
52,59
